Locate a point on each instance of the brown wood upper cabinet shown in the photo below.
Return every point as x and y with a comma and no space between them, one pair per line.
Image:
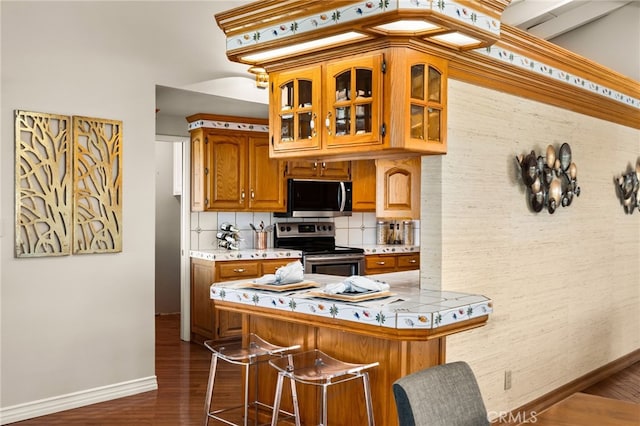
231,169
327,106
386,101
318,169
363,176
398,188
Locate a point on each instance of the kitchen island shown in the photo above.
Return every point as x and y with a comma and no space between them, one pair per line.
404,332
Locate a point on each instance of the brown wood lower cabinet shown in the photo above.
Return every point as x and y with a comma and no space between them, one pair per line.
398,351
391,262
208,322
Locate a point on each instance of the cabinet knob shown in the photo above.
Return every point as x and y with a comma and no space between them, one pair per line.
239,270
242,196
380,262
253,194
412,261
327,122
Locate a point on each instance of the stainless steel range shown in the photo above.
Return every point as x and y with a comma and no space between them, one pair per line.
317,241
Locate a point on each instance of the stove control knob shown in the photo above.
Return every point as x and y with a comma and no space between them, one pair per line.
329,227
288,229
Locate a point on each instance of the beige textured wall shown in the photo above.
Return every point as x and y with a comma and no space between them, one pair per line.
566,287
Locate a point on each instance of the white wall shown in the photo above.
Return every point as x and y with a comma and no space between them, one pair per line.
566,287
167,233
613,41
85,323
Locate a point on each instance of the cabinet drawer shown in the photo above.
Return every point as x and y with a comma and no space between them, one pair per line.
379,263
270,266
406,262
227,271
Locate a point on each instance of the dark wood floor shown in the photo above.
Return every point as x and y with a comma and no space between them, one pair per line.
182,369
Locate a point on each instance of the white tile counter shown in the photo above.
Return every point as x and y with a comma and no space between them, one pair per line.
409,307
388,248
223,254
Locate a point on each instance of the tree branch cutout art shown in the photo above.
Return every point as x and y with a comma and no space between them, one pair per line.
551,180
68,185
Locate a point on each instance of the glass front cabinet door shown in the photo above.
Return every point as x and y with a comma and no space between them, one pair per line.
352,100
295,109
427,101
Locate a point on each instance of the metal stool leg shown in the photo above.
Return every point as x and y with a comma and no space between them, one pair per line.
323,419
212,377
276,400
294,397
278,397
367,398
246,394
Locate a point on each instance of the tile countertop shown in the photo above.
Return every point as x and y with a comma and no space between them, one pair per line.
389,249
409,307
223,254
273,253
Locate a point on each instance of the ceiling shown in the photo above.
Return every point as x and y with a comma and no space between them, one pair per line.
547,19
233,91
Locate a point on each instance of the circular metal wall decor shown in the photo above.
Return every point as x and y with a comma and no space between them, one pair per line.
551,180
628,185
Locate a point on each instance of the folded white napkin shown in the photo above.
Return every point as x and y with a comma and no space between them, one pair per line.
288,274
355,284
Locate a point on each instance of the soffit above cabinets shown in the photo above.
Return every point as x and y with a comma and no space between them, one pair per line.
263,32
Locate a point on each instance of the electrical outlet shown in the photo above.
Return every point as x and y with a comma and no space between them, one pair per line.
507,379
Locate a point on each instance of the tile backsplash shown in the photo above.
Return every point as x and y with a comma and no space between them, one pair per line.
356,230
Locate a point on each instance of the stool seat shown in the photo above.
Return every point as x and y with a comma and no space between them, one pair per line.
248,349
248,352
319,369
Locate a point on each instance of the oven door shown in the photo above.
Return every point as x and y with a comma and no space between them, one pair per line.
334,264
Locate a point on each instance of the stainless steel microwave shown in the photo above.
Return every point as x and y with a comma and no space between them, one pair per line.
318,198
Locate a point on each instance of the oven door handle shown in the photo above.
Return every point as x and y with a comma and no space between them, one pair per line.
330,258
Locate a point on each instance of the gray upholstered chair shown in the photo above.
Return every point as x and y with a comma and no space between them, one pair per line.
445,395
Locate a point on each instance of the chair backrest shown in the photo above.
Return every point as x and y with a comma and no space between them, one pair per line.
445,395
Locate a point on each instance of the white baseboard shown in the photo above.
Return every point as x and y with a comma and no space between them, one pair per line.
55,404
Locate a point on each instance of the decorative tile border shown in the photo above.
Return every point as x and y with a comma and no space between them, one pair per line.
405,310
358,11
506,56
230,125
452,10
383,249
222,255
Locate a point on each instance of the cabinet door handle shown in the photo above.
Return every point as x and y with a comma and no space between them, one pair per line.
315,165
253,194
327,122
312,124
239,270
412,261
380,262
242,196
324,165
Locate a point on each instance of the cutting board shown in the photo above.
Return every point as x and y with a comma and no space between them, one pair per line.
283,287
351,297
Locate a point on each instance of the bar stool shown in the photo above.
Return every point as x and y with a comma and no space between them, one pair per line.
250,351
319,369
